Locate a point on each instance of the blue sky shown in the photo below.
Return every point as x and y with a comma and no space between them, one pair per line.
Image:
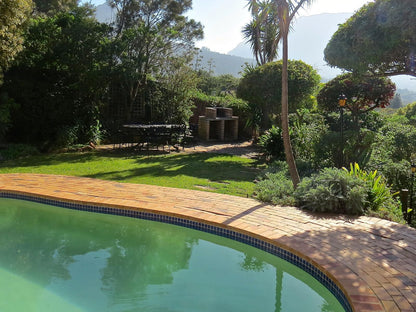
224,19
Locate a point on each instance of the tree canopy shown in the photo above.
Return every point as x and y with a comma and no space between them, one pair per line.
57,80
262,87
148,35
76,77
380,38
362,93
13,16
51,7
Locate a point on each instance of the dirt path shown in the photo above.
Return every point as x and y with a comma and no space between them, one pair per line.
243,149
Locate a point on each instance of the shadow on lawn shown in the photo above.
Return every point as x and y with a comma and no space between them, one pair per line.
214,167
49,159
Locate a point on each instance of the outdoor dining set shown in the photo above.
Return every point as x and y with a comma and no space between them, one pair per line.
143,136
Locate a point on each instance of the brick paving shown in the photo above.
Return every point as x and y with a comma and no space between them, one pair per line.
372,260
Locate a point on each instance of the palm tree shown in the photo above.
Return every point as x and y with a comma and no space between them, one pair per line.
287,10
263,31
270,24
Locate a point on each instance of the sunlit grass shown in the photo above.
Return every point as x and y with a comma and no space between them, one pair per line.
197,171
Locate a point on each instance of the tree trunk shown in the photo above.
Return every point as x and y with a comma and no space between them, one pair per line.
290,159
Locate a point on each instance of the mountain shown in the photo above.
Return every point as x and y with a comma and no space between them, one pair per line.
221,64
407,96
307,41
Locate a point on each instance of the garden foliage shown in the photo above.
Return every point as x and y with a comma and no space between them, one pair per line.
353,191
261,87
274,185
332,190
380,38
272,143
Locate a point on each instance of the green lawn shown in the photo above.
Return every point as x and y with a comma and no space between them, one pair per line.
198,171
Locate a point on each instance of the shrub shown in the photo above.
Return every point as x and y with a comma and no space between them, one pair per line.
307,129
276,188
397,173
95,133
7,105
18,150
67,135
272,143
275,185
351,192
378,192
380,201
332,190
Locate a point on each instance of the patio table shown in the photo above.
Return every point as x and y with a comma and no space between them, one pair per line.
154,134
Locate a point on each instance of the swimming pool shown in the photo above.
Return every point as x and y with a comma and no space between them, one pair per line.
67,260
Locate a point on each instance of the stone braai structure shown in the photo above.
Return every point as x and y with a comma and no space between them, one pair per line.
218,124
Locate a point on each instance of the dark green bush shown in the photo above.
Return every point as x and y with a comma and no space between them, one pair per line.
380,201
67,136
276,188
272,143
307,130
15,151
351,192
332,190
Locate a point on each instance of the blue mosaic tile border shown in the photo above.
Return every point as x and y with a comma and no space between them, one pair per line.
257,243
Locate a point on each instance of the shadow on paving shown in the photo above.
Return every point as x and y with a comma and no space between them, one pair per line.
374,253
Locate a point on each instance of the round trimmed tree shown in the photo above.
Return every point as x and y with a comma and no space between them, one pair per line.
380,38
261,87
362,93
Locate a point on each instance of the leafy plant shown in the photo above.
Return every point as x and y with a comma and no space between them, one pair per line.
67,135
7,105
262,87
332,190
16,151
378,192
276,188
308,128
380,201
397,173
272,143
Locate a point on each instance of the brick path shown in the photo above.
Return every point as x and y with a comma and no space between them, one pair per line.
372,260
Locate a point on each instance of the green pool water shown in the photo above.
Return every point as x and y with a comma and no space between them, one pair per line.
56,259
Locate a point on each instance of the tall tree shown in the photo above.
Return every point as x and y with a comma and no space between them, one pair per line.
148,33
362,93
51,7
58,80
277,14
397,101
380,39
287,10
13,15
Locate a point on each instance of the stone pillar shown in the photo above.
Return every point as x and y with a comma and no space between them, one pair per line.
203,128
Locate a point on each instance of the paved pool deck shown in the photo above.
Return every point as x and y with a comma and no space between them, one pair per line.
372,260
